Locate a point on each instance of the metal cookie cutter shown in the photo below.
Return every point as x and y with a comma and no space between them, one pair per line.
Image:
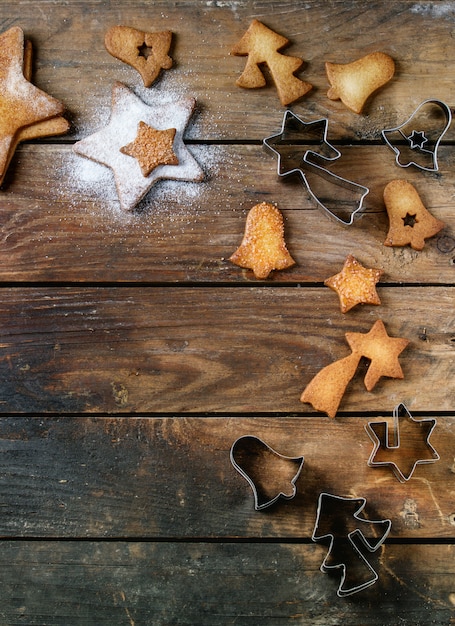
408,447
339,524
299,146
271,475
419,137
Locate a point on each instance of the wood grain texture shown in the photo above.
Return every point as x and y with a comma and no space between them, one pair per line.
73,65
172,478
190,350
61,220
227,583
133,353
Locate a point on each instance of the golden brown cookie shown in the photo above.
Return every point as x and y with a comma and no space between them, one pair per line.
27,112
145,52
263,248
152,147
355,284
381,350
326,389
353,83
409,221
261,45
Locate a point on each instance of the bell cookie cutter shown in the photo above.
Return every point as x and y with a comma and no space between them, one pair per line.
386,447
356,572
298,146
415,141
271,475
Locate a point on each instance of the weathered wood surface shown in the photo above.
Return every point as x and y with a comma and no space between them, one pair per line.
168,584
172,478
123,391
72,63
60,220
193,350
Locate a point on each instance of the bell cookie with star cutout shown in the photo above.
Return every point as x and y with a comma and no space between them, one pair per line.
410,223
145,52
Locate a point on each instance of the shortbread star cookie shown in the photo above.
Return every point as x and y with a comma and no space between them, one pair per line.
409,221
382,351
325,391
152,148
263,248
146,52
105,146
26,109
355,284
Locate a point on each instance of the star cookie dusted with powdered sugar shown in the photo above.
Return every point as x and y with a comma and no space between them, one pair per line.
355,284
26,112
107,146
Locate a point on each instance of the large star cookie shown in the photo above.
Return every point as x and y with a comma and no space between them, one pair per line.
26,111
355,284
107,146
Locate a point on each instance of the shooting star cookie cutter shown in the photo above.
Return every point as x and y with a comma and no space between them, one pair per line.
383,451
298,147
356,572
413,140
271,475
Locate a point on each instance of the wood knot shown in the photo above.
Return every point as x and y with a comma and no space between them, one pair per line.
411,518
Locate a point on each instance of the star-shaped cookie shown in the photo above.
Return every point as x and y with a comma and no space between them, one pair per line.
105,145
381,350
152,147
26,111
355,284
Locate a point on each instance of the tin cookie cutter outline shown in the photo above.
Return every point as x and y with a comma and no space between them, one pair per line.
417,139
261,501
342,591
303,159
381,441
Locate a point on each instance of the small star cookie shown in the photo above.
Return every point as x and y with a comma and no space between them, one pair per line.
355,284
152,148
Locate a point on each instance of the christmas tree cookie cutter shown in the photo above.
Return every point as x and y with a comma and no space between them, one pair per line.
420,135
301,149
271,475
340,525
399,449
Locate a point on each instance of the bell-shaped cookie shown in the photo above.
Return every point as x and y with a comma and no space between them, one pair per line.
145,52
263,247
409,221
353,83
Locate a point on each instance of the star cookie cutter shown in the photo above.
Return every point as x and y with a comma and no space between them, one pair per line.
386,446
298,147
347,541
271,475
412,141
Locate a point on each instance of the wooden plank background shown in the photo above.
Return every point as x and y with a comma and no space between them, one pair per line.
133,353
